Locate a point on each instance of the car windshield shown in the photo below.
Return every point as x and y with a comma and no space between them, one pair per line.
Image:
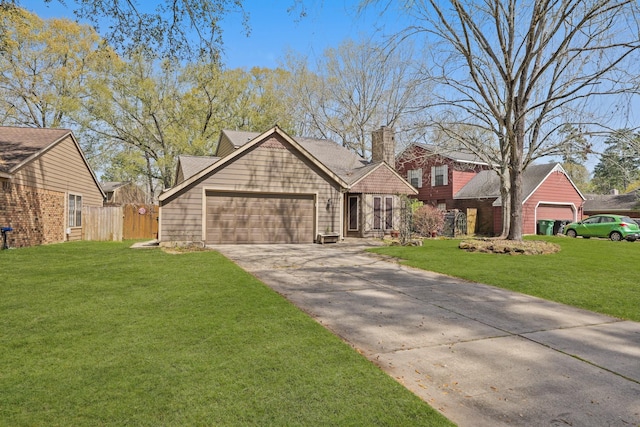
627,220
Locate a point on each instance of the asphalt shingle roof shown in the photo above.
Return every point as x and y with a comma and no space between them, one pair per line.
612,202
191,165
455,155
19,144
486,184
343,162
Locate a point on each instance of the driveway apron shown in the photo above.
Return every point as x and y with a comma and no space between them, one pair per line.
482,356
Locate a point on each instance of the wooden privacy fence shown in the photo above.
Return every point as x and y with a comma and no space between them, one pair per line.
120,222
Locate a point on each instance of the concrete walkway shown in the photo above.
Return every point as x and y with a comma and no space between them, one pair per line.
480,355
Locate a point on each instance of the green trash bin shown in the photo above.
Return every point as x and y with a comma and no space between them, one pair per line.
545,227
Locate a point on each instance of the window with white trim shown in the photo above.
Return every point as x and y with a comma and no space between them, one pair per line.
439,175
414,176
75,210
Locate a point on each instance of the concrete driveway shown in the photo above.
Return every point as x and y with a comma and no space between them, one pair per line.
480,355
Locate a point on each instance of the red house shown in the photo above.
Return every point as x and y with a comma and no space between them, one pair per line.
457,180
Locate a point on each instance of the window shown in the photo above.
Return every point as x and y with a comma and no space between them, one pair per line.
75,210
439,175
353,213
414,177
388,213
377,213
442,205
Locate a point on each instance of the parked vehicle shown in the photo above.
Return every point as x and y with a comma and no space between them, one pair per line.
614,227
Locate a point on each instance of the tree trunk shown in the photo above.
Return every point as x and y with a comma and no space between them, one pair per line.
515,178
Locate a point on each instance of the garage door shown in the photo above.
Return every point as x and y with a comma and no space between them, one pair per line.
559,212
258,218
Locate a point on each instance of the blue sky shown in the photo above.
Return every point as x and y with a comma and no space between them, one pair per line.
274,30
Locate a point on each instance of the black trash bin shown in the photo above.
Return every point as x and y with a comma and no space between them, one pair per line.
5,231
558,226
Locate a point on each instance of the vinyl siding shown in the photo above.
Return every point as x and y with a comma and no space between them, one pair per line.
62,169
225,147
556,189
272,166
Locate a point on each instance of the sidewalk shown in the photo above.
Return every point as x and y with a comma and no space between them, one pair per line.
481,355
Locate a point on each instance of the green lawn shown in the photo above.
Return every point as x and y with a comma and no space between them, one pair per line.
100,334
597,275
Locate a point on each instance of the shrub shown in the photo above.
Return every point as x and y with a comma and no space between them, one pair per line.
428,220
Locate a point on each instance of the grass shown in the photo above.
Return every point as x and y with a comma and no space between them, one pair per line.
100,334
597,275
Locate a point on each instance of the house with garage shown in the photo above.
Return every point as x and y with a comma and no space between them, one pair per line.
547,193
627,204
438,174
450,179
273,188
45,183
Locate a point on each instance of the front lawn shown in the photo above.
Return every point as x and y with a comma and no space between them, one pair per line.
100,334
597,275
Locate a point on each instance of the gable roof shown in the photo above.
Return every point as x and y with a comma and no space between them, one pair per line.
19,146
455,155
344,163
241,150
113,185
613,202
191,165
486,184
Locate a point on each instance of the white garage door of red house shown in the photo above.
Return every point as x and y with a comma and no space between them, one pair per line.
250,218
555,212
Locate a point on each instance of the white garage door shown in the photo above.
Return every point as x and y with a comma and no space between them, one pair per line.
238,218
556,212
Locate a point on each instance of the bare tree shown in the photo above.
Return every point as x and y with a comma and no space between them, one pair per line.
521,70
354,90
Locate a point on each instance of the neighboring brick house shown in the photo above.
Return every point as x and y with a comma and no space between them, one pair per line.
274,188
45,181
456,180
437,174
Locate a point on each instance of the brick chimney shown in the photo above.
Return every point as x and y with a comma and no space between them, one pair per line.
383,146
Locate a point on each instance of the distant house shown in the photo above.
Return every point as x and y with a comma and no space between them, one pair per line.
622,204
123,193
274,188
45,183
438,174
457,180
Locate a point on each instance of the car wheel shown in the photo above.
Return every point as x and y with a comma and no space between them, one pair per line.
615,236
571,233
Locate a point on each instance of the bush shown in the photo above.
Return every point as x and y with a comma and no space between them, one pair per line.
428,220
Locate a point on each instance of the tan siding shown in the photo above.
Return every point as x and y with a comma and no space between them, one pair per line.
269,167
240,218
225,147
61,169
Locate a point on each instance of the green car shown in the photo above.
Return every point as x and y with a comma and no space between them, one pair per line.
614,227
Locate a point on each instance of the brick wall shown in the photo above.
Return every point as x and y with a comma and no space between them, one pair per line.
37,216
